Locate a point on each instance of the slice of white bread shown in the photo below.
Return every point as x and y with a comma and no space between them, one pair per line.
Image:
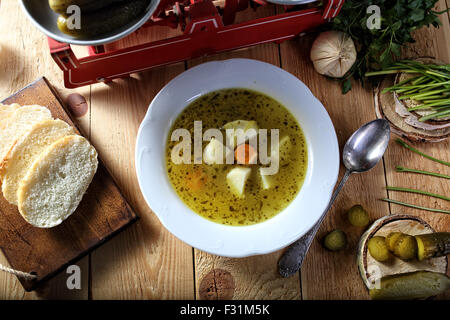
56,182
14,126
7,110
27,149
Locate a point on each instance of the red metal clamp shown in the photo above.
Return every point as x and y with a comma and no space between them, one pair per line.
206,32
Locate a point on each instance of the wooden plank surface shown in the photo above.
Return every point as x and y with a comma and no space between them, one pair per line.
433,46
102,212
253,277
23,58
336,278
146,261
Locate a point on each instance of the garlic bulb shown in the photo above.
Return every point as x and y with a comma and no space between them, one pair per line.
333,53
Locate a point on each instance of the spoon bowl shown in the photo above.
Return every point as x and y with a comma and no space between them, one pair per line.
366,146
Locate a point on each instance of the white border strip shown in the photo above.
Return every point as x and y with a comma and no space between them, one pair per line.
329,9
202,22
70,59
337,8
60,63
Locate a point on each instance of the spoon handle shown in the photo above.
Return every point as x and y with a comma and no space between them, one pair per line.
293,257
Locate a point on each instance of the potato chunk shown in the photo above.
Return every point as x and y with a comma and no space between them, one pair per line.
236,180
244,125
266,180
215,152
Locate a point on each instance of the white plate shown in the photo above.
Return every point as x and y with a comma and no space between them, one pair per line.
230,241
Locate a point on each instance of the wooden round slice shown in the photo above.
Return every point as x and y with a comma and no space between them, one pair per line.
371,270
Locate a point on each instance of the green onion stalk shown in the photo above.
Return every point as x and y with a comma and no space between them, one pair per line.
415,206
429,173
407,146
426,193
429,85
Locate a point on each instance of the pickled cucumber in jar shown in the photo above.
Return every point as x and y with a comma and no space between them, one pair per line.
103,21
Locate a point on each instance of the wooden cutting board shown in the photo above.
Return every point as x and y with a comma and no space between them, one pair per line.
102,213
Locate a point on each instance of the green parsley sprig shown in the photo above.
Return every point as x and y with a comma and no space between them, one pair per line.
378,48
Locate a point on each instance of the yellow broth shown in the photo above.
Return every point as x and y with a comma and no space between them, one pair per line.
211,197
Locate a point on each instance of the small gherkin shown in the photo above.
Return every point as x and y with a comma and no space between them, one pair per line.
357,216
335,240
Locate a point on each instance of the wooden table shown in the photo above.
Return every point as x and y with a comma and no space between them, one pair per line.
146,261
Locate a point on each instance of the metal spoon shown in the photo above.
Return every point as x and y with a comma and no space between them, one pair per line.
362,152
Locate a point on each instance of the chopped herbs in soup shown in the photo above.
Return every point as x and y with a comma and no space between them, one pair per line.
230,181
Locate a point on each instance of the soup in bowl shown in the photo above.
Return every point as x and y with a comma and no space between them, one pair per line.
246,189
237,157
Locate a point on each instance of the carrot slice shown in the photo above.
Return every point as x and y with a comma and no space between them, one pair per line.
245,154
196,180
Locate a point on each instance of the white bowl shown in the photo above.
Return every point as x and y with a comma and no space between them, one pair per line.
241,241
43,17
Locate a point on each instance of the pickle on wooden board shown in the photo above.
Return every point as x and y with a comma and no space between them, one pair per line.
104,21
357,216
432,245
378,249
60,6
411,285
335,240
405,247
